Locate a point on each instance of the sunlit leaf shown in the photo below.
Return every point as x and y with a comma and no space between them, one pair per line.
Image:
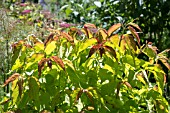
86,44
114,28
15,93
107,67
115,40
35,57
17,64
141,78
39,46
50,47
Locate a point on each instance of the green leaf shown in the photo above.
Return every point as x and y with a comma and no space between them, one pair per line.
45,98
72,75
39,46
18,64
129,60
115,39
15,55
50,47
104,75
149,52
15,91
108,88
86,44
68,11
33,88
24,100
55,99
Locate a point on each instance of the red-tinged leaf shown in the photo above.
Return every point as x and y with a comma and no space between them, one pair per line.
68,37
41,65
74,31
122,43
56,38
163,52
11,78
28,46
154,48
103,33
93,50
135,34
127,84
102,51
114,28
78,95
88,25
58,61
33,38
134,25
90,96
165,62
111,51
130,42
87,32
48,39
20,85
164,78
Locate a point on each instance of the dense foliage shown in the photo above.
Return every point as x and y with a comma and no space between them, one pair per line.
61,67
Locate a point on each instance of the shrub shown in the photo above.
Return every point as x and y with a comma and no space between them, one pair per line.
88,69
